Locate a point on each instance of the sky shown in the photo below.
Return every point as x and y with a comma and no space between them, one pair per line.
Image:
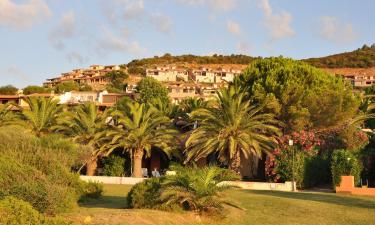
41,39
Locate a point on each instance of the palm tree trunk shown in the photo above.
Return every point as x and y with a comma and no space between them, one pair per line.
235,163
91,166
137,168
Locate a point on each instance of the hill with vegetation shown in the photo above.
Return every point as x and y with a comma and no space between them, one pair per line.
361,58
138,66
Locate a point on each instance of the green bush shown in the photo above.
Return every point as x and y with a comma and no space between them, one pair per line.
309,171
31,185
344,163
18,212
286,164
194,189
316,171
145,194
91,190
114,166
38,170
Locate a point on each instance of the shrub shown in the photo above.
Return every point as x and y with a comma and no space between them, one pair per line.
316,171
8,90
31,185
309,168
195,189
344,163
18,212
38,171
145,194
35,89
92,190
114,166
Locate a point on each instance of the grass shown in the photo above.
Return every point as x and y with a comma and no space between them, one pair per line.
260,207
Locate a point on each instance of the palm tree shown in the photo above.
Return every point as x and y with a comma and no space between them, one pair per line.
232,128
7,117
190,104
85,125
366,111
140,129
166,108
196,189
42,114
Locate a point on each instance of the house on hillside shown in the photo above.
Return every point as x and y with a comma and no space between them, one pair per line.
94,76
180,91
168,74
203,75
358,77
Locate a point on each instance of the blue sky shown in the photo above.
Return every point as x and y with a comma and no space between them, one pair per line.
40,39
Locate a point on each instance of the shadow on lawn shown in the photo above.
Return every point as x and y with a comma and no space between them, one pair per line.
107,202
327,198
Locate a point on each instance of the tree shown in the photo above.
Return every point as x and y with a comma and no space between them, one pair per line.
140,129
117,79
66,87
149,88
231,129
84,125
167,109
301,96
8,90
187,106
190,104
35,89
85,87
42,114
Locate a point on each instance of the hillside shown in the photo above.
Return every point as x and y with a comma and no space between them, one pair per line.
138,66
361,58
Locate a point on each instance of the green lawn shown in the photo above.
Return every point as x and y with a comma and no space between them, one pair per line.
260,207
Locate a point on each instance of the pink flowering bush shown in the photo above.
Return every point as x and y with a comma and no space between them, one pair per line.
305,149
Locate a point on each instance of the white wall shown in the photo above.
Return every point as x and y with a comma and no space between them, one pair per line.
113,180
287,186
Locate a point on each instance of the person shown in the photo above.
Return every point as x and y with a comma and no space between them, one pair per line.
155,173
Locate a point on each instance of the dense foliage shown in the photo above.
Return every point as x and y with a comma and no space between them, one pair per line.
300,160
138,129
17,212
32,89
138,66
33,170
345,163
83,124
41,114
233,129
7,117
91,190
113,165
66,87
149,89
117,80
301,96
145,194
8,90
363,58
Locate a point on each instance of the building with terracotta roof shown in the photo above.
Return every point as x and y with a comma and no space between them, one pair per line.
200,75
94,76
359,77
